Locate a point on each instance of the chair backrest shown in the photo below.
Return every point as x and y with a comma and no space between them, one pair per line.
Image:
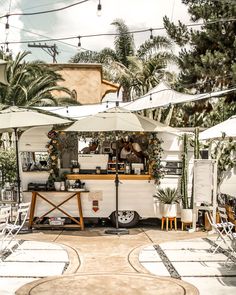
22,213
223,214
5,213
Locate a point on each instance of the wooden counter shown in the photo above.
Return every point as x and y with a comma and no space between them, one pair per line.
108,176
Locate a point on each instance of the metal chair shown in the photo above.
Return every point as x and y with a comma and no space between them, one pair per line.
12,229
226,236
5,213
226,224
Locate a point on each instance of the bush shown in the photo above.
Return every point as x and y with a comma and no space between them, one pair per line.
7,166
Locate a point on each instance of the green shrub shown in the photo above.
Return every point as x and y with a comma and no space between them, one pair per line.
7,166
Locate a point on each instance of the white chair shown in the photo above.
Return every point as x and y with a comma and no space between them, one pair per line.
5,213
226,236
12,229
220,231
226,224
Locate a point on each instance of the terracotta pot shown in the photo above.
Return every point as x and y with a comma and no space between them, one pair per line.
168,210
187,215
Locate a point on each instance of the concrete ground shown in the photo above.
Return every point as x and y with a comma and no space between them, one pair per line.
93,262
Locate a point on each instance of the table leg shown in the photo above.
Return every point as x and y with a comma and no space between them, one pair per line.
81,218
32,209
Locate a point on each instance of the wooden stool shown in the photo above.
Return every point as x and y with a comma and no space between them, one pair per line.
167,220
184,224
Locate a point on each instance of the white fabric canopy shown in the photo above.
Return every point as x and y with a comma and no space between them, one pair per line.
163,95
81,111
227,127
20,117
118,119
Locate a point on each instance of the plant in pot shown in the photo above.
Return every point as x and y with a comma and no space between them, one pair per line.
168,198
187,203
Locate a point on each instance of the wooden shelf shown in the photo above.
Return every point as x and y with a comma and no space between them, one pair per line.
108,176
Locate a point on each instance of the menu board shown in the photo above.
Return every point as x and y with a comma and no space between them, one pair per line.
203,181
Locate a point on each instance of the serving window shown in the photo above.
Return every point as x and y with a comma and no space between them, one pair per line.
172,167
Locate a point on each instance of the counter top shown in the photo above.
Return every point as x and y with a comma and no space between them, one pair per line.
108,176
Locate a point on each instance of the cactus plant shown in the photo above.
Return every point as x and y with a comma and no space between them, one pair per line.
184,176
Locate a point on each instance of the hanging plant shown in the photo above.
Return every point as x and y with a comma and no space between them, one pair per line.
154,158
54,147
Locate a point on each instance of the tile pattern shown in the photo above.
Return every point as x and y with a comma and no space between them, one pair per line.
194,262
30,261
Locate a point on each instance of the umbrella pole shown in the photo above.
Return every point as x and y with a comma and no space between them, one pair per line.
17,167
117,230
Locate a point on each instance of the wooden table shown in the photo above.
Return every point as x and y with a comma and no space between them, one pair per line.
36,194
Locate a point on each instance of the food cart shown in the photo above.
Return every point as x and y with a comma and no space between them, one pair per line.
136,188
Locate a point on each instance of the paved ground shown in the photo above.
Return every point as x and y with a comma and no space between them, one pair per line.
128,264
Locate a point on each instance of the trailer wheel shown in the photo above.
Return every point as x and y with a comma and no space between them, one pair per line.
125,218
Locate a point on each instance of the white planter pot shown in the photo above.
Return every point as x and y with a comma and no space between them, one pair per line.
168,210
187,215
57,185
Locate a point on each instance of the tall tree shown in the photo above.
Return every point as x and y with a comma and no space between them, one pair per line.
29,83
208,54
135,70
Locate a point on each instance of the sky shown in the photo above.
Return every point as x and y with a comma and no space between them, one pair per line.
82,20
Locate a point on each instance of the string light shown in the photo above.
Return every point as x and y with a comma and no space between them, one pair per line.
116,34
99,9
223,31
151,35
79,42
7,48
7,27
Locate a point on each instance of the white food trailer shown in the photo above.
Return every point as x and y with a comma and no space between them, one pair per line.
98,201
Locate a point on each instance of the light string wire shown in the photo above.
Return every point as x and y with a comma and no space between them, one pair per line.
45,11
117,34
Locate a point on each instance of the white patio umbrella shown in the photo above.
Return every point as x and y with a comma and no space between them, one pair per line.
227,127
118,119
19,118
227,186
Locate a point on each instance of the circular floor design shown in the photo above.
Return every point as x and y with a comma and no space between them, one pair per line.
102,284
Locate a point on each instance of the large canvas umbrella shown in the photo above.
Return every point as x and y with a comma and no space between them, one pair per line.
117,120
227,127
18,118
164,95
227,186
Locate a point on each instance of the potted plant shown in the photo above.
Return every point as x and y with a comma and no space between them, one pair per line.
168,198
57,183
187,203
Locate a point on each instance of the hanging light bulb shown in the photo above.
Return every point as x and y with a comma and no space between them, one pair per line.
99,9
223,31
107,104
150,98
7,27
79,42
151,36
7,48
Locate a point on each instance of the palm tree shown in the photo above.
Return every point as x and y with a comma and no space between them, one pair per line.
137,71
29,83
